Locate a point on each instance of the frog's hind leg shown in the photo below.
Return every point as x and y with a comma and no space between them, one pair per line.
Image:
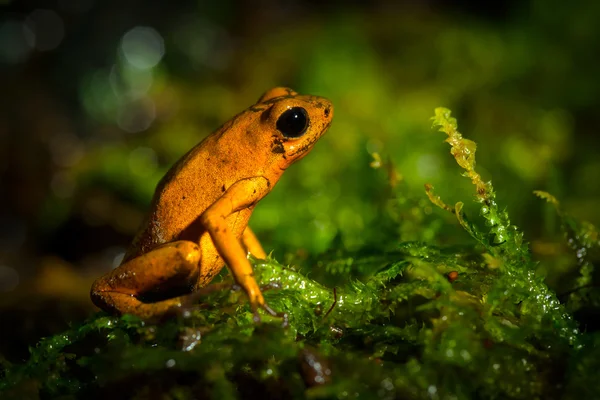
252,244
164,269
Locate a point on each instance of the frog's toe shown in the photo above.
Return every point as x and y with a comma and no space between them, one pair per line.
273,313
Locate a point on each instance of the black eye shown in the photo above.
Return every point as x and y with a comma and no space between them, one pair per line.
293,122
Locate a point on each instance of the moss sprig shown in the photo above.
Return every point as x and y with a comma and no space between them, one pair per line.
518,283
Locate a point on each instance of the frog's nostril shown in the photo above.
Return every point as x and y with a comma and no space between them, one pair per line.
327,112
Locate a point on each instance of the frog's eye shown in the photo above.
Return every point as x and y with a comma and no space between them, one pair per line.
293,122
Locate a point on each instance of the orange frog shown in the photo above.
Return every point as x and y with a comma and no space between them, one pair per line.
199,214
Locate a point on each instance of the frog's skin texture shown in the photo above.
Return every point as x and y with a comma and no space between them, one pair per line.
199,215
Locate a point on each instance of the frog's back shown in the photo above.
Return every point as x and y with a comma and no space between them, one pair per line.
195,182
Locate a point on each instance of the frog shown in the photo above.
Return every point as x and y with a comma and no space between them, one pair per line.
198,217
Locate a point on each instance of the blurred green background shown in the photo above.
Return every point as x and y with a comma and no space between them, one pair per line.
100,98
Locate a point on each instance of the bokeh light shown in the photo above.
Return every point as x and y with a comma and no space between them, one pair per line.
16,41
205,43
47,27
136,116
143,47
143,161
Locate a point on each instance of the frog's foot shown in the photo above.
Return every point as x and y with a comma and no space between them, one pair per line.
193,302
121,303
269,310
257,303
273,313
168,269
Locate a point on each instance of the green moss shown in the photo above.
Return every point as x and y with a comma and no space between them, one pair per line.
583,240
397,319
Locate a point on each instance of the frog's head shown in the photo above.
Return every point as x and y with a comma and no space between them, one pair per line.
294,122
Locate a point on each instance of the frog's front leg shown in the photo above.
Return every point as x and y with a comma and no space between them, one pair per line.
173,265
241,195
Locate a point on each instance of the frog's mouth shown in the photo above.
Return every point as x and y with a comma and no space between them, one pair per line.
305,147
